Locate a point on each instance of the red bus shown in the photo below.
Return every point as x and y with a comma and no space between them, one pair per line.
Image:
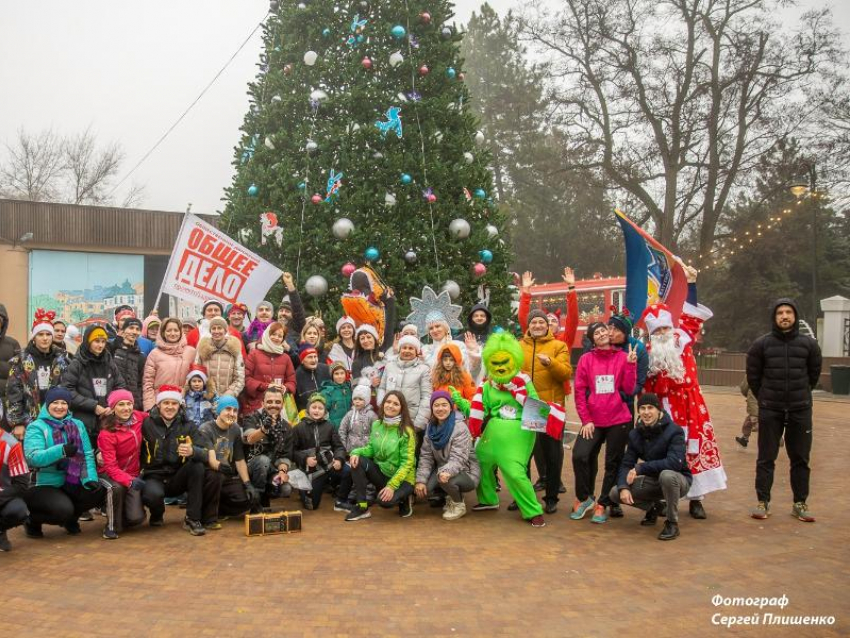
595,298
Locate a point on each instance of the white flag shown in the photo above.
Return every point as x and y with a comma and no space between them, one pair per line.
207,264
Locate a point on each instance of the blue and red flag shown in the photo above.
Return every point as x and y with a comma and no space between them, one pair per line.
652,273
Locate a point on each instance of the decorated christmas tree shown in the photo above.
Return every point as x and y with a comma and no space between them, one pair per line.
360,147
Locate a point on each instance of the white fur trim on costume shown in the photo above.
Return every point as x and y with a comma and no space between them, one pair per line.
42,327
682,340
707,481
197,373
699,311
662,319
169,394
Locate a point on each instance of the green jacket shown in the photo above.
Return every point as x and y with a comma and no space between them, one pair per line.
338,396
394,453
44,456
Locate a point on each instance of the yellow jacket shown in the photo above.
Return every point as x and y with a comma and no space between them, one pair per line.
548,380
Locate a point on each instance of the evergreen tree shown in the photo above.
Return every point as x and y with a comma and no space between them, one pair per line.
558,218
332,80
767,254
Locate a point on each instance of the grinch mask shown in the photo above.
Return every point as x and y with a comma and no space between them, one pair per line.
502,357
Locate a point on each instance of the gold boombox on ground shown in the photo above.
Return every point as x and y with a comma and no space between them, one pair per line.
272,522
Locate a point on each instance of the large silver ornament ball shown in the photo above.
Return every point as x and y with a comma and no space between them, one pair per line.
316,286
459,228
452,288
342,228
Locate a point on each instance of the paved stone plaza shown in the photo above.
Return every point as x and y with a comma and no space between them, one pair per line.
486,574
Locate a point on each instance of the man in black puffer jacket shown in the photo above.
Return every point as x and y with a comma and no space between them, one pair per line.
129,359
783,367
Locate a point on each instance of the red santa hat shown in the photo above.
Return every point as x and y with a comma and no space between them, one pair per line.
197,370
657,316
167,392
43,322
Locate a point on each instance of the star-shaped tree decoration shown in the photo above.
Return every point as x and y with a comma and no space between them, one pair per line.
434,307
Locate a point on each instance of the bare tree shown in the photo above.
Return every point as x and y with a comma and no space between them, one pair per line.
674,101
89,169
34,166
75,169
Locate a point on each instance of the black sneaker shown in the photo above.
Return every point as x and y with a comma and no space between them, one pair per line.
405,509
670,531
307,500
513,507
550,506
437,501
484,507
742,441
33,530
697,510
562,489
110,534
661,507
86,516
194,527
157,521
5,545
73,528
540,485
343,506
651,517
615,511
358,513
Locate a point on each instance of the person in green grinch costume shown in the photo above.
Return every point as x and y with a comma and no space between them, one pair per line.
495,415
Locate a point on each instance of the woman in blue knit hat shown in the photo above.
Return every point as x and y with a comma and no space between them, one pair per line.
57,446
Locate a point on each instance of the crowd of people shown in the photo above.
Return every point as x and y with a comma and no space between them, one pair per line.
223,416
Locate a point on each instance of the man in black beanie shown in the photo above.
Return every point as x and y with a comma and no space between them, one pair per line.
662,475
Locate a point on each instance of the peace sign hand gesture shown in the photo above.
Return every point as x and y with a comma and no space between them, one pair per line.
632,358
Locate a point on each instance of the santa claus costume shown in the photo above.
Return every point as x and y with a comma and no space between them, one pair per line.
674,379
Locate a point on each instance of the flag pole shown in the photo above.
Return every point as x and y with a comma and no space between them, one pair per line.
186,216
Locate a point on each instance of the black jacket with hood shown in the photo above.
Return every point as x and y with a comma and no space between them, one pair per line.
660,447
9,347
80,377
784,367
160,440
481,332
131,364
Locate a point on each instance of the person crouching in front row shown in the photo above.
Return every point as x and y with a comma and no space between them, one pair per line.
662,476
387,461
222,440
319,452
173,463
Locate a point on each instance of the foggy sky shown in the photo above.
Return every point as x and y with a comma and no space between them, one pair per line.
129,70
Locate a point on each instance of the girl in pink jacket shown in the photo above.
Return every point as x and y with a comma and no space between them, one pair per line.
119,442
604,377
168,363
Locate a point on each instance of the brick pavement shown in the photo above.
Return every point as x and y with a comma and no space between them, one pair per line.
487,574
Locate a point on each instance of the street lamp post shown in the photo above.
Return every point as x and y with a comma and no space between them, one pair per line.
805,183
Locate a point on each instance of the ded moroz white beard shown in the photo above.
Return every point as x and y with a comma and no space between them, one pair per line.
664,357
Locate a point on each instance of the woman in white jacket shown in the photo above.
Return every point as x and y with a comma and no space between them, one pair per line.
410,376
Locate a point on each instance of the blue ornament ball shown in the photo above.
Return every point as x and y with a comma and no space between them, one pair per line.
486,256
372,254
253,191
326,32
398,32
360,37
406,179
302,186
480,194
451,73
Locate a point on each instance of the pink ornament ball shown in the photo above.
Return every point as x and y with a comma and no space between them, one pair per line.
348,269
479,269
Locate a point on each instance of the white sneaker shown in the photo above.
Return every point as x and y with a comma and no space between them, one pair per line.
457,510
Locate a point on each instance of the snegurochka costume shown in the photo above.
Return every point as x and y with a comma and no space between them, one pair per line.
495,415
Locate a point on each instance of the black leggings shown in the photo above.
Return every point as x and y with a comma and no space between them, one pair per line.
367,471
585,460
62,505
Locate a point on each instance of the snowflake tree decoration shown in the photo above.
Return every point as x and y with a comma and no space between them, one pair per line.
434,307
